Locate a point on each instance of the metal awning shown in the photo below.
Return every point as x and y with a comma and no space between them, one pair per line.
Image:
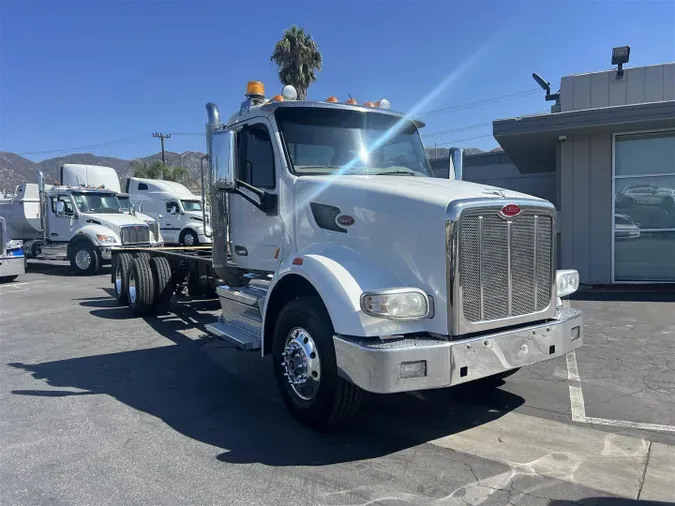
530,141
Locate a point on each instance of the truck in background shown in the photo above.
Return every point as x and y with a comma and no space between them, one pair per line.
12,258
357,270
81,224
180,213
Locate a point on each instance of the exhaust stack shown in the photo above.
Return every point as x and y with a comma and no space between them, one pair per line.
43,206
456,162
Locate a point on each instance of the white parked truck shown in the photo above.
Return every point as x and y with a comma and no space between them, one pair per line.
78,223
352,266
180,213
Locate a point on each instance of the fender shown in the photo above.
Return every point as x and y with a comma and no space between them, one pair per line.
340,275
89,232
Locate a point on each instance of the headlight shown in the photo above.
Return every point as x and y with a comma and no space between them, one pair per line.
14,244
397,304
567,282
106,239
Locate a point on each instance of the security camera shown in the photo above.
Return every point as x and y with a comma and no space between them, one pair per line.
562,138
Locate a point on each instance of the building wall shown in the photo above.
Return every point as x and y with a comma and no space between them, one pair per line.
497,169
585,210
653,83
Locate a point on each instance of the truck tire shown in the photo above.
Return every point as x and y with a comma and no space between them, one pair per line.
188,237
303,349
142,254
161,272
84,259
141,287
121,267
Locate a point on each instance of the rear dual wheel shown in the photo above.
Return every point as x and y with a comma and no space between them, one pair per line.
144,283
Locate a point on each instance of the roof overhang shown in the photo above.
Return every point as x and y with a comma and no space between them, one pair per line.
530,141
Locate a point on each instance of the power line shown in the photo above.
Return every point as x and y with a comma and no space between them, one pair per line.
479,103
457,141
458,129
100,145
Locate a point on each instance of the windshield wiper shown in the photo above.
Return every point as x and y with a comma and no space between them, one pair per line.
398,173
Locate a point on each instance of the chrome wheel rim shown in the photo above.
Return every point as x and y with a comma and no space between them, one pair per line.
301,364
189,239
118,278
83,259
132,287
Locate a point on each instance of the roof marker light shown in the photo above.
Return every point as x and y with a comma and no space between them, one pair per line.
384,104
277,98
350,101
369,104
332,99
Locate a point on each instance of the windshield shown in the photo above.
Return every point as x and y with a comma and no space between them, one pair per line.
325,141
125,203
191,205
97,202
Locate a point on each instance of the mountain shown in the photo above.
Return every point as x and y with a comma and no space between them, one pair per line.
15,169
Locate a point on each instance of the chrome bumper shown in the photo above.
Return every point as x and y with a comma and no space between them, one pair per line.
12,266
375,365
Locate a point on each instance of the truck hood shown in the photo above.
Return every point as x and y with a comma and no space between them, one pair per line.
424,189
113,221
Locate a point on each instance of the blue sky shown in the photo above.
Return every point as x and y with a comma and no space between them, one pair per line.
80,73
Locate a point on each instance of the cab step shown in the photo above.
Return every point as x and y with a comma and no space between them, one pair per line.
241,319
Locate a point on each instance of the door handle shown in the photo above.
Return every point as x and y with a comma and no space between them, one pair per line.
241,251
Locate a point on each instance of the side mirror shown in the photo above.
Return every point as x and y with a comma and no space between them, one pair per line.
60,208
223,152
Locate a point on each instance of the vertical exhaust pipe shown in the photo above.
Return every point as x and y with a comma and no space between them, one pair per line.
456,162
43,206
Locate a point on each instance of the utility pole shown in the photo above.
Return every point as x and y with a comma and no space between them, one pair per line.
161,138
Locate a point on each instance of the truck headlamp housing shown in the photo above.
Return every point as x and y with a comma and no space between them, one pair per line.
567,282
397,304
106,239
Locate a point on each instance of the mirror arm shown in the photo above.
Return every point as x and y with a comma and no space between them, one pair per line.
267,203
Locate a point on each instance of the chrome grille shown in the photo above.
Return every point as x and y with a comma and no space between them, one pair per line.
136,234
505,265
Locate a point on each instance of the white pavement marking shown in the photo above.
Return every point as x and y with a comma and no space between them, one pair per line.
579,407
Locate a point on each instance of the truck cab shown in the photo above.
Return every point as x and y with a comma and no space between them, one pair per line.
181,213
359,271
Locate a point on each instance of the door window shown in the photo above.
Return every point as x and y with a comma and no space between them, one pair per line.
68,204
256,162
172,207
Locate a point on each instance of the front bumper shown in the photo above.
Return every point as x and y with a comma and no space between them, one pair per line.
12,266
375,365
204,239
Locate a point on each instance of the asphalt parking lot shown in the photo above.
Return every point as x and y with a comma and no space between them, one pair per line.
98,407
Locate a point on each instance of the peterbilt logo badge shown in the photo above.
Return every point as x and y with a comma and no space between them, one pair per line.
345,220
510,211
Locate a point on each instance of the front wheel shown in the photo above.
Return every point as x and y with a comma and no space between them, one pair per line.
83,259
188,238
306,369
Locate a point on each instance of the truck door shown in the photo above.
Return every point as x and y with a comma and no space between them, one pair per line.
61,227
170,221
254,234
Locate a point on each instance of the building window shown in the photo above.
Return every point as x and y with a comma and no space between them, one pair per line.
644,207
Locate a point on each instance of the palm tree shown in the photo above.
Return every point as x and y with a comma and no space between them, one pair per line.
298,59
157,170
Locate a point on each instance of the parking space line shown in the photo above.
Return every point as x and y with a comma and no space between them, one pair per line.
578,406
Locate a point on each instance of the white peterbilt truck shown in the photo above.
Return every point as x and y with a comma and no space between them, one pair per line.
78,223
357,270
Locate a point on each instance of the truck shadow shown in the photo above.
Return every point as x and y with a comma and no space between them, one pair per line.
60,268
227,398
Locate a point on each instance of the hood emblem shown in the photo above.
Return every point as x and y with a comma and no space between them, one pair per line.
510,211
